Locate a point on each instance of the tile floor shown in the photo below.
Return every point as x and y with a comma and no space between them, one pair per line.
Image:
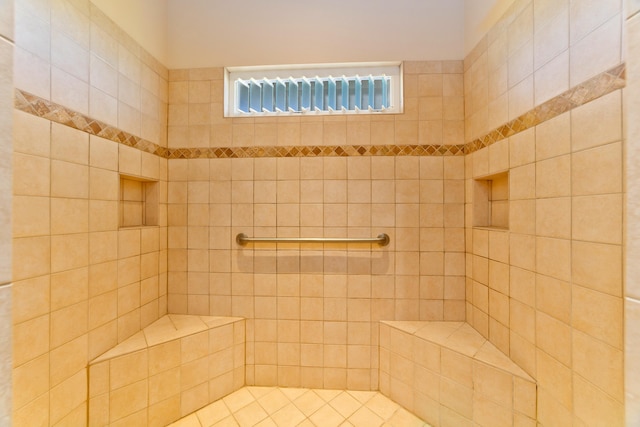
281,407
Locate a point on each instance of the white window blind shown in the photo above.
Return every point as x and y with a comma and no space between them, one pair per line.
360,88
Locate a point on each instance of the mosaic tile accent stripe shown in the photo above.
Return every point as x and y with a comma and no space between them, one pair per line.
581,94
316,151
57,113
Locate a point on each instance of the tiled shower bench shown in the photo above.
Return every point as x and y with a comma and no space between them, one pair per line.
450,375
171,368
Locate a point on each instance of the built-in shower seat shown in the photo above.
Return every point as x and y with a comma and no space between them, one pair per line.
449,374
171,368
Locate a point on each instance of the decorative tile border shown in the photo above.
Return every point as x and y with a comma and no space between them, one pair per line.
57,113
581,94
316,151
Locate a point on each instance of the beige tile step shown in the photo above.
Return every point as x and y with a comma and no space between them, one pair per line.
283,407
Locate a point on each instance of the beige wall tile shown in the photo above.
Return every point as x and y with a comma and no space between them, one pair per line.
128,400
597,171
522,320
34,254
69,90
552,79
555,378
605,274
591,403
30,339
32,73
521,98
549,409
599,363
553,257
597,218
30,381
597,123
103,153
69,251
69,180
31,134
69,287
522,251
553,297
587,16
553,137
553,217
68,323
606,41
598,315
522,182
68,359
31,175
551,31
69,144
522,147
30,298
69,216
31,216
521,28
553,177
493,384
552,336
68,395
523,285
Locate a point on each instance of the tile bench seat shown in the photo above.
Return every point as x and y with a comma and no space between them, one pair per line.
450,375
171,368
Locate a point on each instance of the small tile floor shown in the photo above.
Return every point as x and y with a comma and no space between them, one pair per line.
283,407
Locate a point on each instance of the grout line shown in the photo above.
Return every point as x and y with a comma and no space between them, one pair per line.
7,39
633,15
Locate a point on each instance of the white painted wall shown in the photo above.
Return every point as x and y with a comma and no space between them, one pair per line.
144,20
205,33
209,33
479,17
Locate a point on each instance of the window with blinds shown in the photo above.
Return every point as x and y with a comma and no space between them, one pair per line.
360,88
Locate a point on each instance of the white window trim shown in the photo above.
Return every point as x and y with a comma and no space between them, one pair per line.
392,69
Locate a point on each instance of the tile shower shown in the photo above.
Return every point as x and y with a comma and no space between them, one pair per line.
91,107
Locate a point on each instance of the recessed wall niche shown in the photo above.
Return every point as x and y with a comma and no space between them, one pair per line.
138,202
491,201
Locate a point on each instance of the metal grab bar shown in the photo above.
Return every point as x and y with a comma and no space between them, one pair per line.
243,239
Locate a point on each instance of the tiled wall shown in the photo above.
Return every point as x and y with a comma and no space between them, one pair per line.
313,308
170,369
81,284
6,141
632,229
70,53
449,375
548,291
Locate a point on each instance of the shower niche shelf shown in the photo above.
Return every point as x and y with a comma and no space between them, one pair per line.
138,202
491,201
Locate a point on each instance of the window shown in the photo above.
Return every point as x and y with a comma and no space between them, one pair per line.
313,89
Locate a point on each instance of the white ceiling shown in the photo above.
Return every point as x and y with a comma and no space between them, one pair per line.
212,33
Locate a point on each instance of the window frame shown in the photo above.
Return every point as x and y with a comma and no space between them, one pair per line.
393,69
